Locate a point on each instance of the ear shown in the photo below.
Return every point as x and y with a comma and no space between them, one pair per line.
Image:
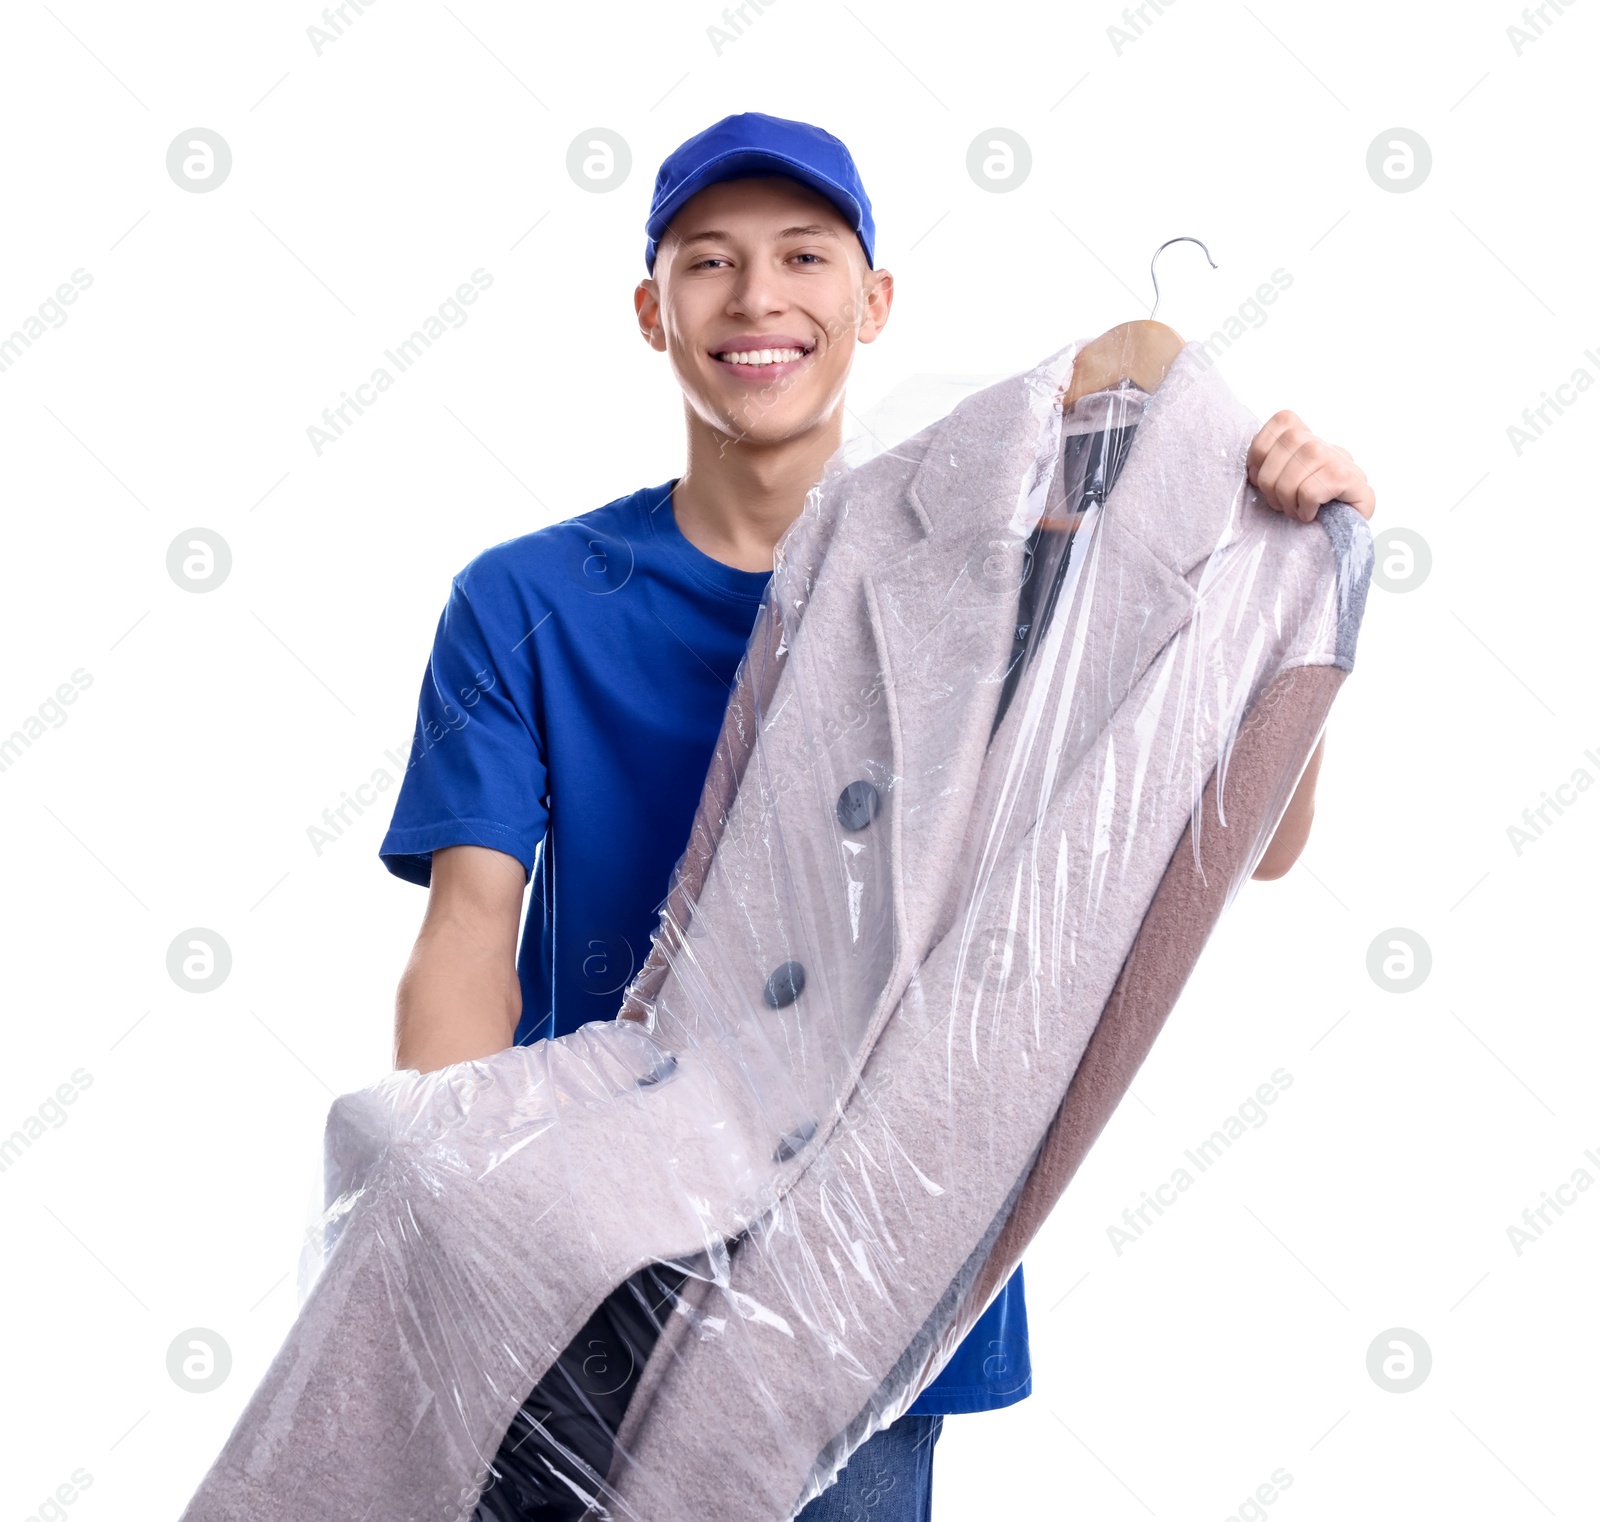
877,299
647,304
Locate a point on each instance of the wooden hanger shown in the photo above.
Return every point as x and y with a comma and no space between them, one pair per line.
1140,351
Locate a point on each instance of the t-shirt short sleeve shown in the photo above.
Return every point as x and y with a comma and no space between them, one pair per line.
477,772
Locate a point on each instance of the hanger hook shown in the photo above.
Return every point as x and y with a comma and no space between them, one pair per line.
1157,254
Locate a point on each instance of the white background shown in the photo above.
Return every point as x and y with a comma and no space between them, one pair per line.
430,140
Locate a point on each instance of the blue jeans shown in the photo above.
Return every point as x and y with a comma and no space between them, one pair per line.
889,1477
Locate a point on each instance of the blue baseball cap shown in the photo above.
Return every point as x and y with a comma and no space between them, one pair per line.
751,143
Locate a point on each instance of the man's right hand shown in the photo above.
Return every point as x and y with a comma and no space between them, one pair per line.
459,997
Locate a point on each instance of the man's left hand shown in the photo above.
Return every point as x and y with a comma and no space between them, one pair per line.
1296,472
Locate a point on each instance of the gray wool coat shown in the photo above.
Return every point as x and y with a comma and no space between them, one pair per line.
908,969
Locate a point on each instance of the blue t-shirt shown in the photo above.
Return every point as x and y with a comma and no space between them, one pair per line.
568,716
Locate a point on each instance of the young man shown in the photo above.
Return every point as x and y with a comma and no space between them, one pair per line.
576,686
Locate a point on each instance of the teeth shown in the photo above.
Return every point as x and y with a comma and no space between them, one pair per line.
762,356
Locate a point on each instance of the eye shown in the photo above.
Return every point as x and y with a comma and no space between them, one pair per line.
817,258
709,261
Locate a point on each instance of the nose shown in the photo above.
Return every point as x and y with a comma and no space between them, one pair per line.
755,291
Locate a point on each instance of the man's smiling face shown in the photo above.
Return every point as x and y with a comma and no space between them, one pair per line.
760,294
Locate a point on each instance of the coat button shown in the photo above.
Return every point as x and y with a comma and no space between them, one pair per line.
790,1145
784,985
663,1070
857,805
